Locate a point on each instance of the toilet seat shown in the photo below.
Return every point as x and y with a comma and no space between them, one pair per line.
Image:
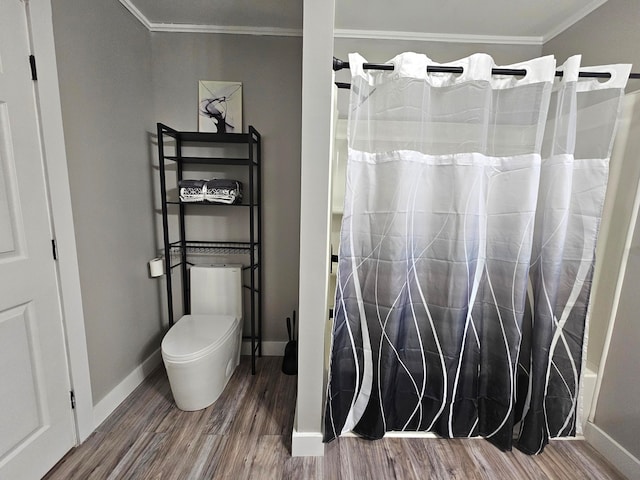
195,336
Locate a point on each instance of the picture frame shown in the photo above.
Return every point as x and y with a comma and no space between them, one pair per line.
219,106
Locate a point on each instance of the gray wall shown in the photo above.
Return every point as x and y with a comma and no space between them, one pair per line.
610,35
618,407
270,70
104,67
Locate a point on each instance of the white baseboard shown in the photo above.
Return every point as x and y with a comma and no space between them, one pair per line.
115,397
269,349
589,380
615,453
306,444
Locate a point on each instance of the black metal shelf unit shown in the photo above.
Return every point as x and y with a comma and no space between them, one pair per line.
184,248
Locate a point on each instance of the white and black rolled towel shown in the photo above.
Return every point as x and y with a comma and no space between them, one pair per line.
192,190
221,190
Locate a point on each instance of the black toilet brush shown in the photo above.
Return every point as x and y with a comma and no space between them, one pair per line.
290,360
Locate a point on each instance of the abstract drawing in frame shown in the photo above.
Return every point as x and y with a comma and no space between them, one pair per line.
219,106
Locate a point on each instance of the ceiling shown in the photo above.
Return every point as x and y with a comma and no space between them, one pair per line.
491,21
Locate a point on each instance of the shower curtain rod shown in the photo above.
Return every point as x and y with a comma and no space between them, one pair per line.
339,65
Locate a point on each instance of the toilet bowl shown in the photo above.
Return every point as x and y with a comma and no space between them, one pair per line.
201,351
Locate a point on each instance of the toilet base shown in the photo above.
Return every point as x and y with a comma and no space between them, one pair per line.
198,383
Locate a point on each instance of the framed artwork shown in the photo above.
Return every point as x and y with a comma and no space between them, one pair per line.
219,106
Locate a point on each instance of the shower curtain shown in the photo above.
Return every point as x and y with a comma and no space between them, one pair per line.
467,247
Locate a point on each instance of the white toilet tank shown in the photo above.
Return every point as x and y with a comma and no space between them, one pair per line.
216,290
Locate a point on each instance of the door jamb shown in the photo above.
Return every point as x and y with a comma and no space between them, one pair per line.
49,109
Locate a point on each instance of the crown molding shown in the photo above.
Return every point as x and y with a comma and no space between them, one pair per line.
192,28
367,34
573,19
437,37
228,29
136,13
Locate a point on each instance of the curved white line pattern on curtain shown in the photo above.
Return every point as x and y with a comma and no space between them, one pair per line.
329,404
561,223
564,381
513,306
557,333
513,279
550,353
387,228
508,352
414,270
395,351
473,291
354,416
377,248
527,400
353,348
328,396
556,176
581,276
512,377
420,394
439,347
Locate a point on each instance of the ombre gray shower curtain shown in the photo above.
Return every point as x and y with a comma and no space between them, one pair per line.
467,247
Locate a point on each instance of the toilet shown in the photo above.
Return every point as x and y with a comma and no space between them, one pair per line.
202,350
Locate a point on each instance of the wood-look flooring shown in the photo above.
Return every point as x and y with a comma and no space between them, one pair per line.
247,434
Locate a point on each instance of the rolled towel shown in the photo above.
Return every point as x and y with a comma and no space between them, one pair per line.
192,190
223,191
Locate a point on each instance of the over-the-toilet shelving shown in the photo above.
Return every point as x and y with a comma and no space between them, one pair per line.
178,254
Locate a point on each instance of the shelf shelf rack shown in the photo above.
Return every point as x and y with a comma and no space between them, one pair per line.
185,249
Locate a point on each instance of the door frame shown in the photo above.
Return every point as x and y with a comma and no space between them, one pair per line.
49,112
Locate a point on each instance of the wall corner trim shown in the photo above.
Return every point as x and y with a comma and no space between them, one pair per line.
136,13
117,395
306,444
615,453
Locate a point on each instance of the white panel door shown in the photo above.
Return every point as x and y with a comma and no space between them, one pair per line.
36,421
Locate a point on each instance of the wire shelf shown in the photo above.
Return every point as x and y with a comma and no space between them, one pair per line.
212,248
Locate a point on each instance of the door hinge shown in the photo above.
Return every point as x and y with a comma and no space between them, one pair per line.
73,400
34,72
54,249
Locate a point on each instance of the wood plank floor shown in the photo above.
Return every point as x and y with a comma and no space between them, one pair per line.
247,434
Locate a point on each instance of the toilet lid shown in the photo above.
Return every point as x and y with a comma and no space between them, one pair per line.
196,335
